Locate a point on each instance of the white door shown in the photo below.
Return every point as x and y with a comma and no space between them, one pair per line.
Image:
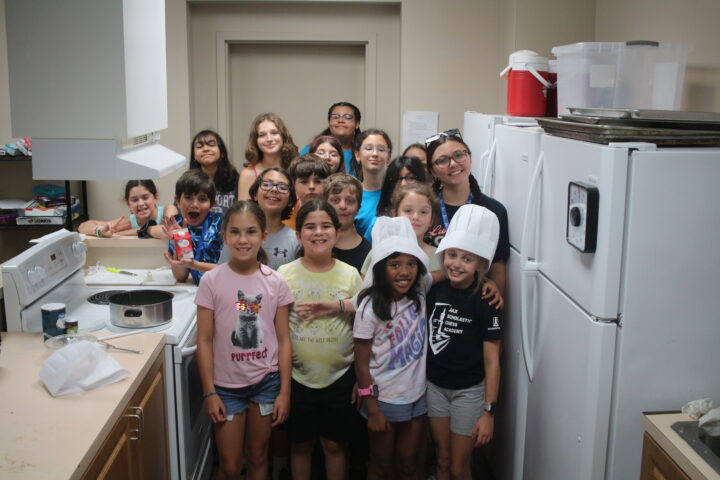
479,132
507,447
516,154
568,404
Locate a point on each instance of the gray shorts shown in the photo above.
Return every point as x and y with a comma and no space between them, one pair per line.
464,406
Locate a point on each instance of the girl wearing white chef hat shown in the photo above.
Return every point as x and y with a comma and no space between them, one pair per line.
390,343
463,361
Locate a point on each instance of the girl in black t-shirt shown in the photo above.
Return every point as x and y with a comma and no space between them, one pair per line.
463,358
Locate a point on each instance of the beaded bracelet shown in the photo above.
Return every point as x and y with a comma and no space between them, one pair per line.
98,231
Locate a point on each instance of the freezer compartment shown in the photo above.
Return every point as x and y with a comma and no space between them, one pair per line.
516,156
590,279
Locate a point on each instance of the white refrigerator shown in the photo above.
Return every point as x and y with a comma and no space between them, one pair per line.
613,304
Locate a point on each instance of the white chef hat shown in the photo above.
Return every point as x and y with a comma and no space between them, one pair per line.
391,235
474,229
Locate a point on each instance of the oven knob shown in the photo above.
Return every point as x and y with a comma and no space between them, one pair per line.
36,275
79,249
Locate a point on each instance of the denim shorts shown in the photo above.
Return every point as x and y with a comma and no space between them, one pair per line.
263,394
403,412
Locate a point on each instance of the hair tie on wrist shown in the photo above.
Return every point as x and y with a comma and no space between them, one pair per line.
209,394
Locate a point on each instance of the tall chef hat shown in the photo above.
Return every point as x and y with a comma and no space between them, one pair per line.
473,228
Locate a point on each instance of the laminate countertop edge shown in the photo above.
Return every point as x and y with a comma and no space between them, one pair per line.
58,437
658,426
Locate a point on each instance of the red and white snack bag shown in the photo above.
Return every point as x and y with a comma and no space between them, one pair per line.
183,243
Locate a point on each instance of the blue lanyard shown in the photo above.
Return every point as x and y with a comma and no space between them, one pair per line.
443,211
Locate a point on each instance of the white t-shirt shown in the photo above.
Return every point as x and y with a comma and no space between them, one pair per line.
397,359
245,346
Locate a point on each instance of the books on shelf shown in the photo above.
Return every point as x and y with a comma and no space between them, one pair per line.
36,214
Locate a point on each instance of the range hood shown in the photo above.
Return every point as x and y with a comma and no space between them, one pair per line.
88,84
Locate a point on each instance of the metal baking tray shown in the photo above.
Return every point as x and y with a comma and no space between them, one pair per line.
638,122
621,133
644,114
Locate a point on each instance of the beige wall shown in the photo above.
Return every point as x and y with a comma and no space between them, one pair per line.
299,96
676,21
450,55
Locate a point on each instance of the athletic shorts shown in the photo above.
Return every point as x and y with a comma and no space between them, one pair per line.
322,412
403,412
463,406
263,393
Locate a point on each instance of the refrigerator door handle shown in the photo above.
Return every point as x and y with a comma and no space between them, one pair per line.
529,274
533,190
489,173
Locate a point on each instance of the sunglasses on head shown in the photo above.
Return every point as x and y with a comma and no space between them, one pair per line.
454,132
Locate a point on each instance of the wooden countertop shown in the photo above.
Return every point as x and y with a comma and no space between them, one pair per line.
658,426
48,437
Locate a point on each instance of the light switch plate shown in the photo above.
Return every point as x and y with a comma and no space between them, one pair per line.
582,216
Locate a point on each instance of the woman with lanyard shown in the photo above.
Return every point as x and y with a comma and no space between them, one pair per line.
449,162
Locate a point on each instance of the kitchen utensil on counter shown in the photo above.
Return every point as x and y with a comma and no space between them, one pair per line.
124,272
140,308
60,341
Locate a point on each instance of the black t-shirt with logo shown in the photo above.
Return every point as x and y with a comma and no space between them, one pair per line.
459,321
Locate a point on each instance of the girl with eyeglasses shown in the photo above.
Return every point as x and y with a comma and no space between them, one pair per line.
329,149
401,171
269,145
372,154
449,162
274,193
343,124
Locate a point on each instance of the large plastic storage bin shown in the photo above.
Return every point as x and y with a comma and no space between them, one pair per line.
647,75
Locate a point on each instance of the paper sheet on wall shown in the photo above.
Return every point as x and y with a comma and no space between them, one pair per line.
417,126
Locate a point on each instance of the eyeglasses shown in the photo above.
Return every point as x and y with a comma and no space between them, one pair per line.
447,133
459,156
410,177
346,116
331,153
268,185
377,148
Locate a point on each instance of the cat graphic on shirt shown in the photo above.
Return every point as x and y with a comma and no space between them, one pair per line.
248,333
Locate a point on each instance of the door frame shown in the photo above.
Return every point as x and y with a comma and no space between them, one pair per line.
225,39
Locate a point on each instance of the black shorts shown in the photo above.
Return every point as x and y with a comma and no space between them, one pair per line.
322,412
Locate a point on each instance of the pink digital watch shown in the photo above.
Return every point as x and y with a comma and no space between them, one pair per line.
370,391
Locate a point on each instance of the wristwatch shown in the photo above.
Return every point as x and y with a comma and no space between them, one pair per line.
370,391
491,407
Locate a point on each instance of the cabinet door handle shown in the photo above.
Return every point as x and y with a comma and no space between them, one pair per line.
139,414
135,432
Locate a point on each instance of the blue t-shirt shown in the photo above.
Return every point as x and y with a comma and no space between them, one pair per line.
158,219
365,218
348,154
207,241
